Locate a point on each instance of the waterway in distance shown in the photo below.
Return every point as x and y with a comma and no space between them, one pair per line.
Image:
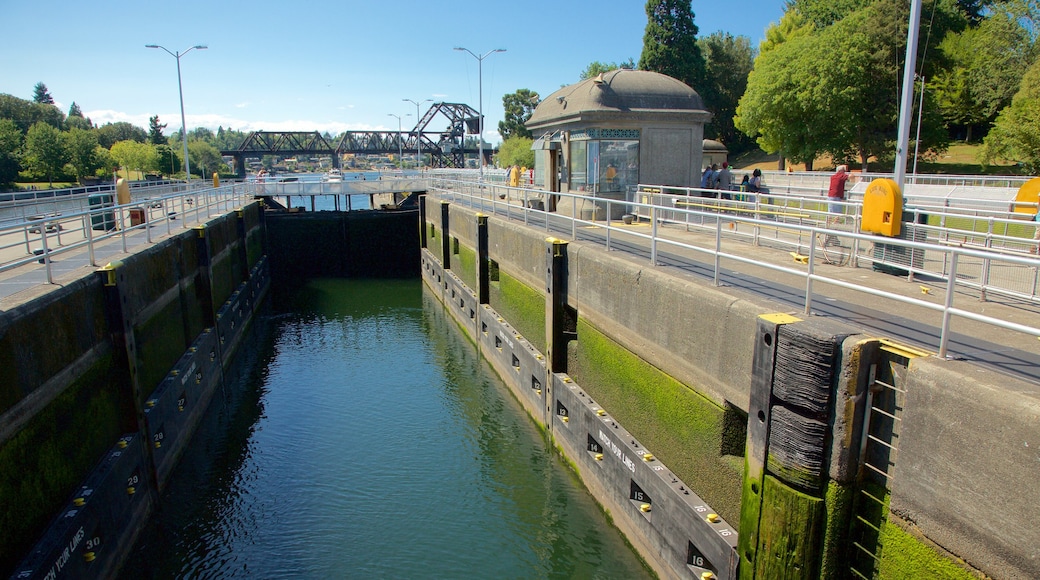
368,439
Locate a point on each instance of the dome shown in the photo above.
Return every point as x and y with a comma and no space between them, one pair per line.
620,90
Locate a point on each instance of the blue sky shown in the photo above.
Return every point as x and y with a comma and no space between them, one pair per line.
322,65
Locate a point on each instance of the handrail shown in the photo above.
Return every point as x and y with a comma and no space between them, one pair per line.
44,237
502,200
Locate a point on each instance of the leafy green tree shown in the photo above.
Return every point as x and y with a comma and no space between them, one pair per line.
670,42
42,95
25,113
516,150
80,150
111,133
44,151
10,145
823,13
777,109
835,90
105,163
1001,52
518,108
75,119
155,131
134,155
205,159
729,61
596,68
791,24
1015,135
166,159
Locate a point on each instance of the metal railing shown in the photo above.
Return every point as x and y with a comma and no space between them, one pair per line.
44,236
764,221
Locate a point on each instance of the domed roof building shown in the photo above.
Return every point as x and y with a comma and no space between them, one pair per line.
618,129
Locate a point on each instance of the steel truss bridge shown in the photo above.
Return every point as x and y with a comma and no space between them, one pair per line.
446,148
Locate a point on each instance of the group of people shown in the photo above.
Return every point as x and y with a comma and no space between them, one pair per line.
722,180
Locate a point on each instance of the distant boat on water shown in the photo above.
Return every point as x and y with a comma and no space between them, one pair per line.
333,176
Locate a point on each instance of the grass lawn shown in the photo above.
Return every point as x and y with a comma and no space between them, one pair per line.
960,159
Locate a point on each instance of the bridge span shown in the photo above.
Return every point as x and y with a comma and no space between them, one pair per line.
446,147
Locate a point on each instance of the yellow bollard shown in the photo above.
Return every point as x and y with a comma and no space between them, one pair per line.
216,180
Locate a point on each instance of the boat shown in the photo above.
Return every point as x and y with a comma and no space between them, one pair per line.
332,176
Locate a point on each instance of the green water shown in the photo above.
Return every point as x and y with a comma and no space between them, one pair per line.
369,440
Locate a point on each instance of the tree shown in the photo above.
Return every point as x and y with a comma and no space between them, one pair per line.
81,151
823,13
75,119
44,151
10,145
155,131
205,159
27,113
596,68
1014,135
776,109
516,150
166,160
728,61
111,133
518,108
42,95
835,90
134,155
670,42
1001,52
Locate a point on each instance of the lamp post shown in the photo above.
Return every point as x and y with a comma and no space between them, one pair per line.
180,92
400,148
480,102
418,136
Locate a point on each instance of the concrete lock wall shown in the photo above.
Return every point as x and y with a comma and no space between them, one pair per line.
103,383
704,352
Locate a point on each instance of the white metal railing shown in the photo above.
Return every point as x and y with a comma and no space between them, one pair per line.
757,221
42,237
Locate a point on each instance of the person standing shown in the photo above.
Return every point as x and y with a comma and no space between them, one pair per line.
707,180
725,180
836,190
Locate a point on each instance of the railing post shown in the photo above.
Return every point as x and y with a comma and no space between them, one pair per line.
809,273
608,225
947,305
718,249
89,232
653,235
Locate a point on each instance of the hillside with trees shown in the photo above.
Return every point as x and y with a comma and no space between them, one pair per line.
40,143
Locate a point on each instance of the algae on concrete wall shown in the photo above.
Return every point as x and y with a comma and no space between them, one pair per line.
522,306
464,263
45,461
681,427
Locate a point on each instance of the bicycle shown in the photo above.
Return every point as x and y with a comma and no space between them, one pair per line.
834,249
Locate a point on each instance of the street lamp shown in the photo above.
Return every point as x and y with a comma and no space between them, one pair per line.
418,136
180,91
400,148
480,102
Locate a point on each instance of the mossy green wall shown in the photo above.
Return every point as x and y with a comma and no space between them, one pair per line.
522,306
464,264
681,427
46,460
905,556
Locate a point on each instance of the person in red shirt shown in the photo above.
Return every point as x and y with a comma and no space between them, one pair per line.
836,191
